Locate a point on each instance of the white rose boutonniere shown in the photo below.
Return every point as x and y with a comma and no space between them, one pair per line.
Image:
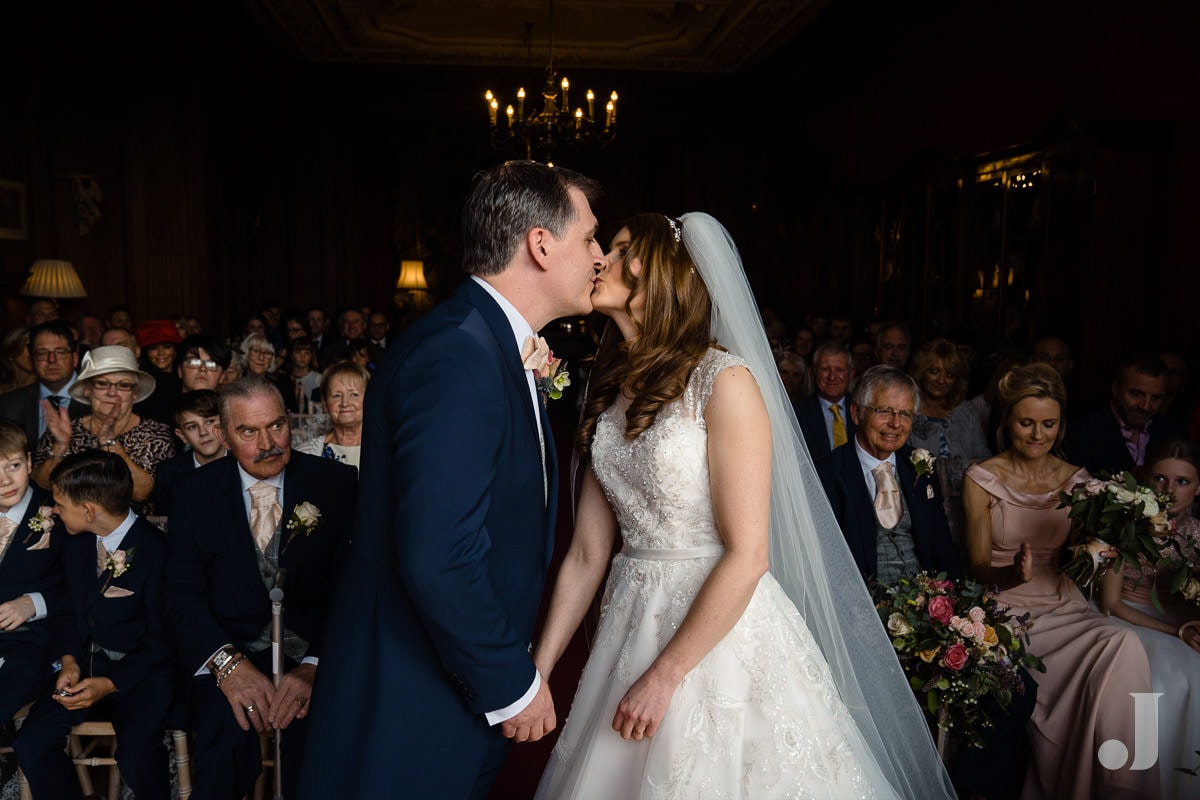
922,461
42,522
305,518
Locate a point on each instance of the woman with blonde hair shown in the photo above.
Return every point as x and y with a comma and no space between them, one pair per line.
1016,536
343,388
947,426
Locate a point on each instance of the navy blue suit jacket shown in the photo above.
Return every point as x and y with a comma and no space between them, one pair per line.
453,539
215,593
131,619
810,413
26,650
1095,443
842,476
21,406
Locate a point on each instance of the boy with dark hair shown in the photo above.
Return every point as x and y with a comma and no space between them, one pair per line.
196,425
114,648
31,585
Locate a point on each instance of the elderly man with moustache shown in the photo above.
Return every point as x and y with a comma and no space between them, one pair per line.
241,526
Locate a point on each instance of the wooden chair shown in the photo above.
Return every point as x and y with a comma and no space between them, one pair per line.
264,787
18,720
86,737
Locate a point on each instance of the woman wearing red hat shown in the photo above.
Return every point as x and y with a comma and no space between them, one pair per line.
157,339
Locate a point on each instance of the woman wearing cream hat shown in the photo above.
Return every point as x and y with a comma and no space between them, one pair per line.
110,382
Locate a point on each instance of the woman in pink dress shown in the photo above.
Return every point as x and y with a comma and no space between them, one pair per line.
1171,635
1015,538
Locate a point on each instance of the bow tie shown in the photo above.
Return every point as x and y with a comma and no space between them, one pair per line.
535,353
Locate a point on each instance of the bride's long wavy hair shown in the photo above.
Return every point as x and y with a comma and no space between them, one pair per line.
653,367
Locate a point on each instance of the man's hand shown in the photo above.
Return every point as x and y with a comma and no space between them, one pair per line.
535,721
84,694
291,696
16,612
250,694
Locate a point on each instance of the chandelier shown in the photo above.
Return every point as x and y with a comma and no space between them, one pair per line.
555,125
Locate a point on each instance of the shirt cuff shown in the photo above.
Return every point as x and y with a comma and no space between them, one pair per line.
510,711
204,667
39,606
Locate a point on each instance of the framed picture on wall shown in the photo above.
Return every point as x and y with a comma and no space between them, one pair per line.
14,224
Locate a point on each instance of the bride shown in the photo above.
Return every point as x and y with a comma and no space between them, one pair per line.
710,676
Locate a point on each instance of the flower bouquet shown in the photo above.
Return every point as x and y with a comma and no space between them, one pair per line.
1117,513
957,646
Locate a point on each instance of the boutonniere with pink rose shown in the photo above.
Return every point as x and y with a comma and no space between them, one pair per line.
304,519
119,562
42,522
550,374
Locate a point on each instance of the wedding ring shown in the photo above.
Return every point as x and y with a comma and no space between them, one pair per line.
250,709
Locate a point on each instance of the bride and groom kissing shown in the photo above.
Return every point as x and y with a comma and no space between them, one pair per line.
704,678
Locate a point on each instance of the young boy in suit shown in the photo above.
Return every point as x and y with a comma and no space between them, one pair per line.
112,641
31,584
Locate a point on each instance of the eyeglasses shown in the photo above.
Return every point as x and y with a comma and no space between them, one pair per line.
200,363
891,414
124,387
254,351
43,354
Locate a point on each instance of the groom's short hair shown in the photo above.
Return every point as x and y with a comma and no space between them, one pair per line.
508,201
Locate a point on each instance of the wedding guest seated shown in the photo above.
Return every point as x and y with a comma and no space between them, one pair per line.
1115,438
157,339
863,353
903,531
298,379
16,367
110,383
1016,537
893,344
54,354
343,387
793,371
359,352
1171,636
259,355
946,426
803,342
31,583
262,517
198,428
824,415
112,642
200,361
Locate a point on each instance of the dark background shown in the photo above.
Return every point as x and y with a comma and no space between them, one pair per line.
846,165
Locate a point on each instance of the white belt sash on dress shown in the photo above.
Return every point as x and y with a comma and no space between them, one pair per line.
678,554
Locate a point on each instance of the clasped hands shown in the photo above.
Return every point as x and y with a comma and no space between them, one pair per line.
258,703
74,694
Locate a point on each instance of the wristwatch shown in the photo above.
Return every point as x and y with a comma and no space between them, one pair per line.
222,658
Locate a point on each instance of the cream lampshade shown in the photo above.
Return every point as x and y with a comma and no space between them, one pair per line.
53,278
412,276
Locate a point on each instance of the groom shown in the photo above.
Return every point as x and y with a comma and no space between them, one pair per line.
427,674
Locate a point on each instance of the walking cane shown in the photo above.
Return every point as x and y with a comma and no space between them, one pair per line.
276,596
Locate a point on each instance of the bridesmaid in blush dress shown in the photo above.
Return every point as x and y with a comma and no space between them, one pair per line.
1171,636
1015,539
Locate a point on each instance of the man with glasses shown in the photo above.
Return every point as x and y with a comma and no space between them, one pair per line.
55,356
889,506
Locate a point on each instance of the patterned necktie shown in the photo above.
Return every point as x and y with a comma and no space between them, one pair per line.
839,427
887,496
101,557
7,526
265,513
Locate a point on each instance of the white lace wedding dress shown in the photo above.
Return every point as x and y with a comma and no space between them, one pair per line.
758,717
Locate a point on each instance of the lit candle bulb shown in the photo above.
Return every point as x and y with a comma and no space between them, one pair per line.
613,103
492,108
566,104
591,98
508,112
578,118
521,103
608,115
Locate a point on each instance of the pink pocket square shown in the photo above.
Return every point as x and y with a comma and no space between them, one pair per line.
117,591
42,543
929,492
